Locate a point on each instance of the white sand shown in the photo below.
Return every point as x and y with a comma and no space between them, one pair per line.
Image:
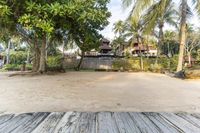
98,91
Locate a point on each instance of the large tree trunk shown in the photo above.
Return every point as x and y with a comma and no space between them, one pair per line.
81,60
160,40
8,52
42,67
36,58
28,56
141,55
189,59
141,62
182,38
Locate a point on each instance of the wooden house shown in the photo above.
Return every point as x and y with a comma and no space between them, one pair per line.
105,47
137,49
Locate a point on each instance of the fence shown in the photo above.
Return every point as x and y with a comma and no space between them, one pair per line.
90,63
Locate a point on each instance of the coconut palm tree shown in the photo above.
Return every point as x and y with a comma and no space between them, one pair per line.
119,27
154,17
169,36
133,30
141,5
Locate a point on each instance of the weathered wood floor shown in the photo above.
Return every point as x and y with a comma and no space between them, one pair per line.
105,122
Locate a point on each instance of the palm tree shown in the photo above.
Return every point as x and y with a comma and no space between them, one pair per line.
168,37
118,45
133,30
119,27
140,5
154,18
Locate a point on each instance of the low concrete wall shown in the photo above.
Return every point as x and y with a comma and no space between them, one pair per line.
90,63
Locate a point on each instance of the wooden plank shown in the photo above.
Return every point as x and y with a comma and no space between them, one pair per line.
5,118
190,118
2,113
180,123
14,123
106,123
68,123
30,125
86,123
164,126
196,115
125,124
49,124
144,124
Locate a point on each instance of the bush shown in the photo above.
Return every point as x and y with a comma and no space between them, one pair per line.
29,66
16,67
54,63
133,64
18,57
12,67
157,68
126,65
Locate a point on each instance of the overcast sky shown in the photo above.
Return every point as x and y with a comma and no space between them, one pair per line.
118,13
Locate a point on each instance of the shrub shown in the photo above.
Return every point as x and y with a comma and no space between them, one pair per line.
133,64
173,63
29,66
16,67
18,57
126,65
120,64
54,63
12,67
157,68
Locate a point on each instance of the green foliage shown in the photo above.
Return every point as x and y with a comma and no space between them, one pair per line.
16,67
12,67
65,15
17,57
126,65
119,27
41,21
4,10
157,68
54,62
29,67
133,64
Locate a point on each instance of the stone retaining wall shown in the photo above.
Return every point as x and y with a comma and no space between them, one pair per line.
90,63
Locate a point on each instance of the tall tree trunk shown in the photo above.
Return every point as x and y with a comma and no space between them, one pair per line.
42,67
81,60
28,57
160,40
182,39
36,58
8,52
169,56
189,59
141,56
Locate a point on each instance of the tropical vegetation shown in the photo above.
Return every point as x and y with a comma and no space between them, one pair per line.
32,32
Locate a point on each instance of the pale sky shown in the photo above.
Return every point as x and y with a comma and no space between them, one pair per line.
118,13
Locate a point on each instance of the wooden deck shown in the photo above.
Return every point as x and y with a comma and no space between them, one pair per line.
104,122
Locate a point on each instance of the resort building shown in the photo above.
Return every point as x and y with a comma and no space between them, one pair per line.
137,49
105,49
